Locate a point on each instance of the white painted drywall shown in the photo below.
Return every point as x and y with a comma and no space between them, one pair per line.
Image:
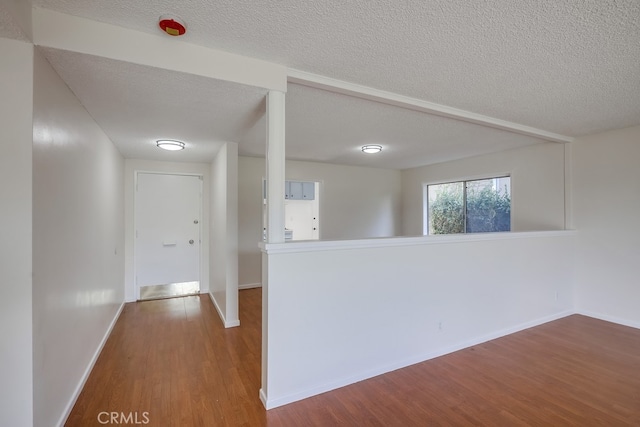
251,172
537,185
355,203
224,234
16,389
131,166
606,208
78,242
340,313
77,34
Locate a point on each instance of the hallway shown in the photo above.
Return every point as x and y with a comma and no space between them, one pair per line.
174,360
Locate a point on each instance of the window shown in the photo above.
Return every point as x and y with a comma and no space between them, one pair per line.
474,206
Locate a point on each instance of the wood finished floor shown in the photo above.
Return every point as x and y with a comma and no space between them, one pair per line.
173,359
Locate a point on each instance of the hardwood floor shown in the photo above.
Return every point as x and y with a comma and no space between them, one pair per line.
173,362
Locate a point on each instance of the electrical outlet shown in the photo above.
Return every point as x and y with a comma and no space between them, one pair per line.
440,325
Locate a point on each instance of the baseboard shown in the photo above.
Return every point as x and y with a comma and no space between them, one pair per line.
225,322
263,397
232,323
87,372
250,286
607,318
294,397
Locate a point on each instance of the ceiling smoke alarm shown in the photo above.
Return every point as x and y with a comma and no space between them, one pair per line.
172,25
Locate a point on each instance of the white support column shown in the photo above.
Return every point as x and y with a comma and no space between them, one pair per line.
275,166
275,214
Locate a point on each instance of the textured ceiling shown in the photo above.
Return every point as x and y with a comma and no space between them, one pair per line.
135,105
566,66
9,28
328,127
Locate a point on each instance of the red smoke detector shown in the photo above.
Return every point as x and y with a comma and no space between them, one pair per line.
172,25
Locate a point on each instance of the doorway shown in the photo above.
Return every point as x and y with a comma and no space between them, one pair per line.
168,210
301,210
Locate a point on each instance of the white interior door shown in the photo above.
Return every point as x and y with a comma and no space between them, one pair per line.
168,210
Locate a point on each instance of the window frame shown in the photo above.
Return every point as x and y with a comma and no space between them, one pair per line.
425,197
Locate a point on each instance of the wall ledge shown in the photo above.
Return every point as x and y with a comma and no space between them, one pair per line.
386,242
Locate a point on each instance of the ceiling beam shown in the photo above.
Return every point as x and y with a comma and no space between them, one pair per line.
390,98
72,33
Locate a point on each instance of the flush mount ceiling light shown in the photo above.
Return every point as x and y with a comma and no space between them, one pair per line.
170,144
172,25
371,149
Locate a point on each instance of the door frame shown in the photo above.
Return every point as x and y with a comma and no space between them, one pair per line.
319,189
136,287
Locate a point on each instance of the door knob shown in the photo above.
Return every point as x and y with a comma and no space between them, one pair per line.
191,242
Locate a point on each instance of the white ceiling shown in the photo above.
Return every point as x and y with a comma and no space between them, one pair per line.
329,127
9,28
136,105
565,66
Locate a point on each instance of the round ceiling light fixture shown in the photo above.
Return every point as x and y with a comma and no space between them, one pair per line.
170,144
172,25
371,149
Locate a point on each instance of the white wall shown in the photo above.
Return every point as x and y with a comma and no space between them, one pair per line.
537,185
224,234
78,243
16,389
131,167
606,203
251,172
339,312
355,203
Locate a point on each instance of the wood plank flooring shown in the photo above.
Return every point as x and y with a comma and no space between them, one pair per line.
173,360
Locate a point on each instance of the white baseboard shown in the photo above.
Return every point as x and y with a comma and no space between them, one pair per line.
284,400
263,397
87,372
250,286
232,323
607,318
225,322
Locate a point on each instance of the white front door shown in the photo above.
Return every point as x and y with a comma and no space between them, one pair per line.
168,216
